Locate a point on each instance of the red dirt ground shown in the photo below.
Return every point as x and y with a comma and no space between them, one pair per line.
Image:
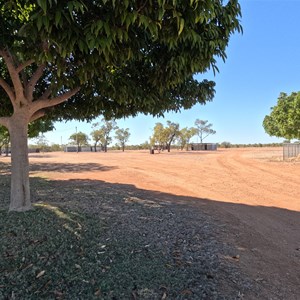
251,190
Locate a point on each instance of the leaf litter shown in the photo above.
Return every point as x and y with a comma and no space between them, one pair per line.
78,246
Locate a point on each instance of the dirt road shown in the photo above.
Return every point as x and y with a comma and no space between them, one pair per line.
251,191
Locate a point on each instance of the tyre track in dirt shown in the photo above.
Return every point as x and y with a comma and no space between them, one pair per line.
258,186
275,233
271,169
257,199
270,237
190,176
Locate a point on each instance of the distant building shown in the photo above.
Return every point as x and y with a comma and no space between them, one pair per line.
72,149
203,146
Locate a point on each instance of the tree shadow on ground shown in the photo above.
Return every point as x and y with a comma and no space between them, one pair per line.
4,168
39,155
70,167
153,245
61,167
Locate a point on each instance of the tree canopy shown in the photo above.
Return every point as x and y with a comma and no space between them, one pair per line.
284,119
103,133
204,129
158,137
122,136
164,136
125,57
185,136
79,138
171,132
98,136
110,58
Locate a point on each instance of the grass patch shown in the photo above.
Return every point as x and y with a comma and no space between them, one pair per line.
56,253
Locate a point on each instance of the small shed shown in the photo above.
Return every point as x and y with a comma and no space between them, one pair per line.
86,149
72,149
204,146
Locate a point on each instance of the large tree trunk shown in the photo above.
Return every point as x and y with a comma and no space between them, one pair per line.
6,149
169,147
20,190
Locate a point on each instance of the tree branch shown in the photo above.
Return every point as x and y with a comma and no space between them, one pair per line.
20,70
7,89
24,77
13,73
25,64
4,121
47,93
33,81
37,115
142,7
44,103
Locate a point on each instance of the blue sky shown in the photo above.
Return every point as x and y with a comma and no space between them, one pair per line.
261,63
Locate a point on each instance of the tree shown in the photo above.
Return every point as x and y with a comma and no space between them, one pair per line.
97,136
225,145
170,133
144,145
122,136
41,141
105,131
203,129
110,58
164,136
79,139
158,137
55,147
185,136
284,119
38,127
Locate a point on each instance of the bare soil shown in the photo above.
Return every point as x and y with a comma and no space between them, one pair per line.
250,192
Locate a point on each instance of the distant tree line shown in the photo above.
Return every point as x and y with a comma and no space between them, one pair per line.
102,136
146,146
229,145
164,136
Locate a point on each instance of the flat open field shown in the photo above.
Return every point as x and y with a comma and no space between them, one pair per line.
250,191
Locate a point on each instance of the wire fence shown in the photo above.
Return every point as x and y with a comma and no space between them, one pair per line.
291,150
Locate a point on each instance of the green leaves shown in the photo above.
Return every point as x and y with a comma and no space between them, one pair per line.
284,119
185,135
128,56
79,138
102,134
57,18
181,26
43,5
165,136
122,136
